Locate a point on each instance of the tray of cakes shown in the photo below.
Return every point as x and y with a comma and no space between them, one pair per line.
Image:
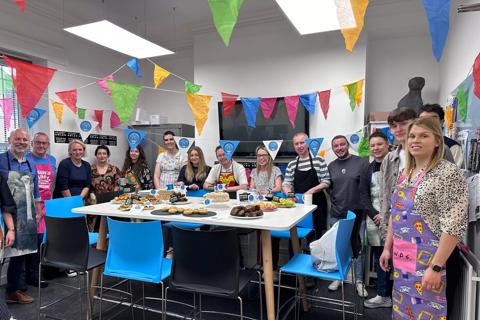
247,212
190,212
177,198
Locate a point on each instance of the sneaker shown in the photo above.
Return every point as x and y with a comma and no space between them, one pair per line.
378,302
334,285
18,297
361,291
71,273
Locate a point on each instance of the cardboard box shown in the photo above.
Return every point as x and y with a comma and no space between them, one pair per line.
378,116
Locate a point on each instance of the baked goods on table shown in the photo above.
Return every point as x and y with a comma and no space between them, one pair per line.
268,206
164,195
247,211
217,196
121,198
178,197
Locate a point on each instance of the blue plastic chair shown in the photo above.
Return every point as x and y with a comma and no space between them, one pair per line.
187,225
301,264
62,208
304,227
135,252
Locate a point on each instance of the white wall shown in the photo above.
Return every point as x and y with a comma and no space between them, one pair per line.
272,60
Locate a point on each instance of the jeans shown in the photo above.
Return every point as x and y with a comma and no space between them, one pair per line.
384,284
14,274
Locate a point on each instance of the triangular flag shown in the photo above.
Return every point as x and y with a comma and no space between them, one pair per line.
200,108
6,82
58,109
99,117
114,120
386,131
354,91
133,64
291,103
321,153
69,97
272,147
309,100
354,140
184,143
30,81
229,147
124,98
86,127
351,35
225,14
7,106
159,74
364,148
324,98
267,105
20,5
476,76
81,113
250,109
314,145
134,137
449,117
462,98
438,14
103,84
191,87
228,101
34,116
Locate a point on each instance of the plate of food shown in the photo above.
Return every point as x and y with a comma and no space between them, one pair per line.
268,206
167,211
121,198
286,203
246,212
217,197
198,213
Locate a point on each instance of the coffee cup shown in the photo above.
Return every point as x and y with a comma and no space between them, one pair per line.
307,199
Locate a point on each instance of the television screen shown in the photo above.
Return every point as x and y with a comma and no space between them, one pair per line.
278,127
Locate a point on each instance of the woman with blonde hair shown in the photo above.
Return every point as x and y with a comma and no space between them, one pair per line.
425,224
265,178
194,173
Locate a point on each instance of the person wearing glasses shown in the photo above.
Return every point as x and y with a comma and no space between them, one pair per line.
265,178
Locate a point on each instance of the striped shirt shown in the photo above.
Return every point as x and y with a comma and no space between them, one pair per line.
304,165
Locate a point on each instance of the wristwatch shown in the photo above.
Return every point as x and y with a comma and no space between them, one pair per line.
436,268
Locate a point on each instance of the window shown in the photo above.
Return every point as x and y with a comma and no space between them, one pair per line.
7,92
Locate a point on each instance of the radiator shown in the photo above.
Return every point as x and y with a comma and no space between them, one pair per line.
465,303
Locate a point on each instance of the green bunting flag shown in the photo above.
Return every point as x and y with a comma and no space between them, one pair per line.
462,103
225,14
81,113
192,87
364,148
6,82
354,91
124,98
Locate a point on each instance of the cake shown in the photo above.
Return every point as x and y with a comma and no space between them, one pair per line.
164,195
217,196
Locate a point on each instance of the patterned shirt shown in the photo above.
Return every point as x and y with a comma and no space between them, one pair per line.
261,178
106,182
170,167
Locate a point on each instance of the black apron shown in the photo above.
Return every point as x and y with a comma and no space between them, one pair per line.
21,185
304,181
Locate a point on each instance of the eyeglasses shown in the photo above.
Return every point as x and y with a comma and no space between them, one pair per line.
40,143
262,155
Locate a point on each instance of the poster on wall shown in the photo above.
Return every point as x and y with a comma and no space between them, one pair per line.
93,139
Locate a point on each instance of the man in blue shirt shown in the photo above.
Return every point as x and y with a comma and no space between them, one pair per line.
21,177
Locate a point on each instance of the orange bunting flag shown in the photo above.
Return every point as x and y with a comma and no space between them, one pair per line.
324,98
351,35
159,74
321,153
69,97
354,91
228,101
200,108
99,117
58,109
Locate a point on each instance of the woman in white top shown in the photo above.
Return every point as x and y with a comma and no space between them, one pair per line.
168,163
265,178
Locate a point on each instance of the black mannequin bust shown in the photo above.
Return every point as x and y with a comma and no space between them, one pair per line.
413,99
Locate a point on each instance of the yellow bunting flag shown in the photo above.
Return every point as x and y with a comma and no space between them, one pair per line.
58,109
200,108
159,74
321,153
351,35
354,91
449,117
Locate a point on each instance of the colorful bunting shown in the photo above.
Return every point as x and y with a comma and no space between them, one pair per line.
133,64
103,84
267,105
309,100
476,76
99,117
364,148
7,106
184,143
354,140
438,14
291,103
192,87
81,113
324,98
229,147
351,35
321,153
228,101
159,74
354,91
34,116
390,136
200,108
449,117
21,5
225,14
462,97
69,97
250,109
272,147
58,109
114,120
124,98
85,127
30,82
6,82
134,137
314,145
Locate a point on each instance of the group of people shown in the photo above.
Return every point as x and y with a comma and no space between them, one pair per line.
402,200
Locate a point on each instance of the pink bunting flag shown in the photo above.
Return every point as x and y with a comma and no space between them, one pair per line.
114,120
20,5
324,98
267,105
228,101
476,76
103,84
99,117
7,106
291,103
70,98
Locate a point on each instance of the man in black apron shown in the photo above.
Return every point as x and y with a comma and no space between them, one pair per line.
21,176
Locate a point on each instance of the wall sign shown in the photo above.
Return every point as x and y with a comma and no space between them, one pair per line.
93,139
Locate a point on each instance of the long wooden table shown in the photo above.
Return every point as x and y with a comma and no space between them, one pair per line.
281,219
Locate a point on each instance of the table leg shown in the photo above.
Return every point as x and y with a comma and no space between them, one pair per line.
301,282
101,245
268,273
